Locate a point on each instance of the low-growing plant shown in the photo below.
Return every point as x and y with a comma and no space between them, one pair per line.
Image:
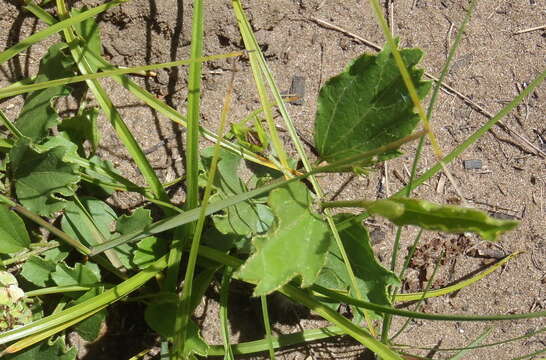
275,231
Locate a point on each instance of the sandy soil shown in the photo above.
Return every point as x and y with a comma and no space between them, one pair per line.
492,65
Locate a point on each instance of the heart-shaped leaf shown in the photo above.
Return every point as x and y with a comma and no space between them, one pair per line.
367,105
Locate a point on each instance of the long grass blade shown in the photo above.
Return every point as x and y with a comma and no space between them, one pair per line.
278,341
26,88
418,315
460,355
86,307
80,57
184,300
37,337
458,286
53,29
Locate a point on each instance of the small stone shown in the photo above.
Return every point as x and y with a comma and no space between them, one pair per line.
472,164
297,90
377,236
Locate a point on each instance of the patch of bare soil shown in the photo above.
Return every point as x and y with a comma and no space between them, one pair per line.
315,39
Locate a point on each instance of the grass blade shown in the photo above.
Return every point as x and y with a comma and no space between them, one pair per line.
278,341
87,307
245,28
13,90
224,321
53,29
387,310
458,286
267,327
475,342
80,57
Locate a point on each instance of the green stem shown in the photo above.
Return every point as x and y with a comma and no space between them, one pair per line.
41,222
24,256
267,327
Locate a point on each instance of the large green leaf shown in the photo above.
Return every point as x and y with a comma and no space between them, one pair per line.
37,115
245,218
296,245
13,233
453,219
40,177
371,277
76,224
367,105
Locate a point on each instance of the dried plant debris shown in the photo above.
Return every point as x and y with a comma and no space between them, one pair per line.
428,255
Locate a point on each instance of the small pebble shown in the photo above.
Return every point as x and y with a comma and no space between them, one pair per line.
472,164
297,89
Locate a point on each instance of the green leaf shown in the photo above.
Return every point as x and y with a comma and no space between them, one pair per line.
447,218
37,115
296,244
140,218
41,177
245,218
149,250
158,316
80,274
367,106
82,127
37,270
90,31
90,328
13,233
56,255
371,277
144,253
97,163
45,350
76,224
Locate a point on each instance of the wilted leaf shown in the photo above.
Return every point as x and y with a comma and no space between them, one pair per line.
295,245
427,215
80,274
367,105
41,177
37,270
13,233
244,218
371,277
37,115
